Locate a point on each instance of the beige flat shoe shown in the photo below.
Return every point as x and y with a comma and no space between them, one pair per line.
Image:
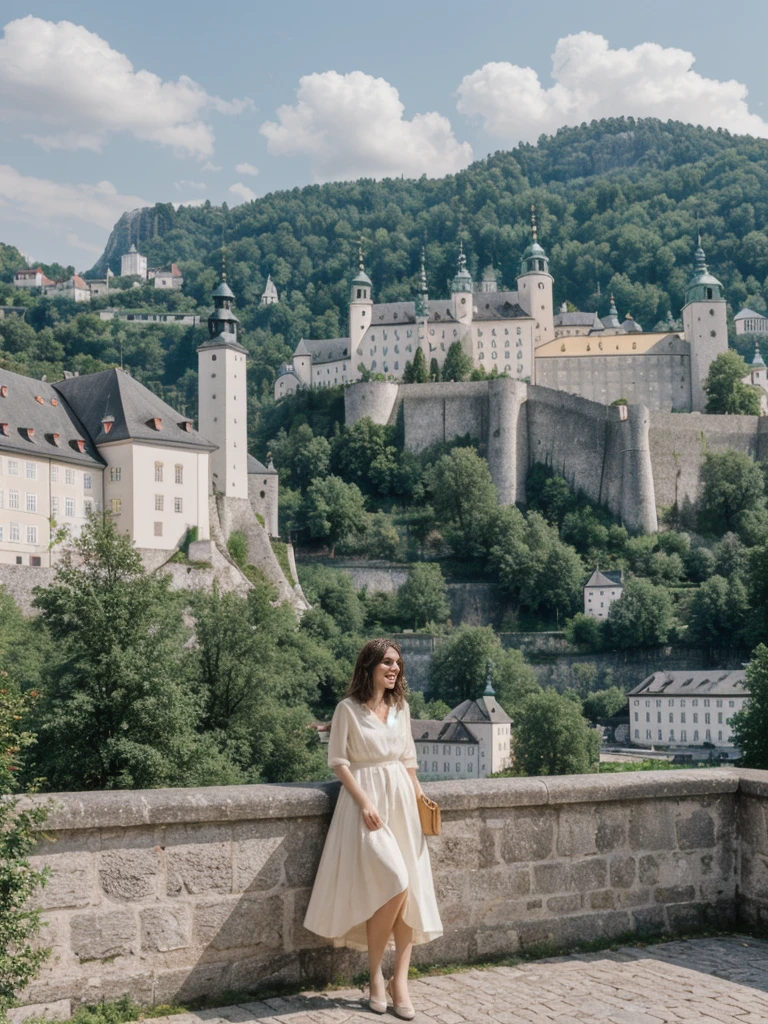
400,1009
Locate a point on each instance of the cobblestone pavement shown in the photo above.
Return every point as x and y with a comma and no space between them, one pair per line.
714,981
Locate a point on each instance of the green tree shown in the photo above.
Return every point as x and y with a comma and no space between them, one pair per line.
363,454
604,703
464,499
335,593
733,484
300,456
237,546
584,632
750,725
724,388
423,598
117,710
422,708
459,666
717,613
642,616
457,365
20,955
551,737
334,509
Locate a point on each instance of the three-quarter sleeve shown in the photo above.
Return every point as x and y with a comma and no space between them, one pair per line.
337,742
408,756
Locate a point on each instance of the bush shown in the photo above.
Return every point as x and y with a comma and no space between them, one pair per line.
551,737
237,546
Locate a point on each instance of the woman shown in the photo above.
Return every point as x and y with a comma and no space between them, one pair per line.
374,887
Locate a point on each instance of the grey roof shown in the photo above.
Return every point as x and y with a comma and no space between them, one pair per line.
256,468
577,319
269,287
433,730
223,291
21,411
391,314
134,407
749,314
499,311
484,709
605,579
714,682
330,351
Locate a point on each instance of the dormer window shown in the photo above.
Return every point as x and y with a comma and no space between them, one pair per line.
156,423
107,423
28,432
186,425
40,399
4,429
80,445
56,439
3,390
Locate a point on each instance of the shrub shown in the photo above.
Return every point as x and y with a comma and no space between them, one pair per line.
237,546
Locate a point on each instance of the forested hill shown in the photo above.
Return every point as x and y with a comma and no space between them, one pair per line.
618,203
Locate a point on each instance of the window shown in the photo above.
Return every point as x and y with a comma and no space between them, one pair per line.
658,717
69,506
718,703
117,506
648,734
660,735
158,529
15,533
706,702
13,499
179,474
658,703
706,718
435,751
470,750
54,474
708,735
178,504
695,703
682,718
683,736
13,467
469,767
671,702
458,767
695,735
31,471
115,474
158,472
159,503
434,766
458,751
69,476
87,482
87,506
719,717
31,503
731,704
636,716
671,717
446,766
54,506
720,734
672,735
647,716
31,535
695,717
637,734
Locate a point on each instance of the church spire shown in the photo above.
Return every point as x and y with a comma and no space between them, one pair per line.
534,229
422,299
462,282
222,322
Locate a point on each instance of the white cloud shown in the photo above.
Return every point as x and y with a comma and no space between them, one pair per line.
189,202
246,169
208,166
352,126
243,193
61,74
594,81
184,184
75,240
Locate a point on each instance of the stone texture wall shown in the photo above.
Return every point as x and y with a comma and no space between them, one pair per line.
172,894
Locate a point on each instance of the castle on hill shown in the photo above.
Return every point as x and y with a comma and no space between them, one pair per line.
517,333
104,441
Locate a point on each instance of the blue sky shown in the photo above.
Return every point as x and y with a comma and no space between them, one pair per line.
107,106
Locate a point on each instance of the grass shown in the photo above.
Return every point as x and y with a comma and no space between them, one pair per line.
281,554
123,1010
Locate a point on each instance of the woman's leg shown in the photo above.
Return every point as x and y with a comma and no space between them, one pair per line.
379,928
403,947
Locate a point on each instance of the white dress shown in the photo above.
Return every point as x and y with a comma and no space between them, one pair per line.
360,869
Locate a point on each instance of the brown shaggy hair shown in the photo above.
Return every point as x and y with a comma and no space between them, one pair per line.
369,657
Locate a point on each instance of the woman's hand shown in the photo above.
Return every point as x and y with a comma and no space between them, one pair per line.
371,817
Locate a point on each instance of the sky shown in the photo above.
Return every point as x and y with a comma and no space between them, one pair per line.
108,107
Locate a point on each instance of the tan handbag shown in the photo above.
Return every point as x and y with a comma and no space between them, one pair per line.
429,813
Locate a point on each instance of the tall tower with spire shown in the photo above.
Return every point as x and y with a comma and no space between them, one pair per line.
222,396
462,290
360,303
534,287
704,324
422,310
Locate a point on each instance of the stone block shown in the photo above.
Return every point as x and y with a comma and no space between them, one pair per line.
564,904
70,883
612,827
258,863
165,928
552,877
129,874
696,831
252,922
253,973
497,942
460,845
451,895
499,883
652,826
100,935
649,920
589,874
689,917
529,836
648,870
193,982
576,831
603,899
300,937
59,1009
667,894
204,867
622,872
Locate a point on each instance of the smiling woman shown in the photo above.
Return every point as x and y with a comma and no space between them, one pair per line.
374,886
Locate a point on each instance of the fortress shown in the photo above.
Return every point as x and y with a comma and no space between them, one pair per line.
628,458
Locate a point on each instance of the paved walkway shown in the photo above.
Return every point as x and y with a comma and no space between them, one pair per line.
713,981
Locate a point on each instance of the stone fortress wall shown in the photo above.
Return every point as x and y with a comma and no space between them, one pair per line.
175,894
628,458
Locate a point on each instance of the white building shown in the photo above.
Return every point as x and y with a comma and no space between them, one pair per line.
471,742
600,591
146,317
687,709
169,279
133,264
747,321
31,279
75,289
269,296
758,377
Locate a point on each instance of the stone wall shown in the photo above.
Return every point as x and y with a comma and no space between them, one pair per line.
174,894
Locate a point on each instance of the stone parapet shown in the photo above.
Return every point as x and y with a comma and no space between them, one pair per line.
173,894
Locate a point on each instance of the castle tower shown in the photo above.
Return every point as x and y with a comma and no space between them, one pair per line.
704,325
489,282
360,304
422,311
269,296
222,397
534,287
461,290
